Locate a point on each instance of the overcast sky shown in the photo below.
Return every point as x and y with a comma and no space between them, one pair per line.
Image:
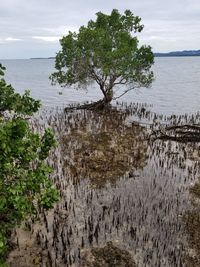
32,28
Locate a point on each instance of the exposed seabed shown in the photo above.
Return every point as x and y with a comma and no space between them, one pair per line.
117,186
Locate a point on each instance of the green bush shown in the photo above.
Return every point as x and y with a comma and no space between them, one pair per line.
24,175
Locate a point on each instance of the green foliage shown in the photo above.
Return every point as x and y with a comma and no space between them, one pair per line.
107,52
12,101
24,182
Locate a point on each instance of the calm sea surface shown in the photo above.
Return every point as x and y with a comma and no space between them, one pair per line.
176,88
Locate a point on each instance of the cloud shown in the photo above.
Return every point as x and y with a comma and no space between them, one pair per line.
9,40
51,39
169,25
59,30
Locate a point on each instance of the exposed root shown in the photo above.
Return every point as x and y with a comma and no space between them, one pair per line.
98,105
179,133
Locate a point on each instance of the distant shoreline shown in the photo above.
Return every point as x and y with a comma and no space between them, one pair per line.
42,58
166,55
185,53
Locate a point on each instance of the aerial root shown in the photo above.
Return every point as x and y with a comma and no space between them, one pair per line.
98,105
179,133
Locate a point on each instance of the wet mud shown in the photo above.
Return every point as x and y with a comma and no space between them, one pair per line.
192,221
107,256
121,192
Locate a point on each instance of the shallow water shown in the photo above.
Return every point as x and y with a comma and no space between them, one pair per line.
175,89
140,209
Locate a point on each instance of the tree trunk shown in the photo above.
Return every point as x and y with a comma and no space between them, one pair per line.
108,96
98,105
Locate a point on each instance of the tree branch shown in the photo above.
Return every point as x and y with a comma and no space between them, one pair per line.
126,91
99,81
121,81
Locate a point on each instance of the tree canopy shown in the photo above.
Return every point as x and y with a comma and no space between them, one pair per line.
24,175
106,51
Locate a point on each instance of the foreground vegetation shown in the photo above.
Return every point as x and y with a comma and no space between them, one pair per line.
24,181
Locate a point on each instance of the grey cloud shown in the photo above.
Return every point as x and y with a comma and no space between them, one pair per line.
166,22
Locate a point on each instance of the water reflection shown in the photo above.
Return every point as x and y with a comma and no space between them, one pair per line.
116,185
103,147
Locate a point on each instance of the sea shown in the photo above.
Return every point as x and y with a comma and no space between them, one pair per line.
175,90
